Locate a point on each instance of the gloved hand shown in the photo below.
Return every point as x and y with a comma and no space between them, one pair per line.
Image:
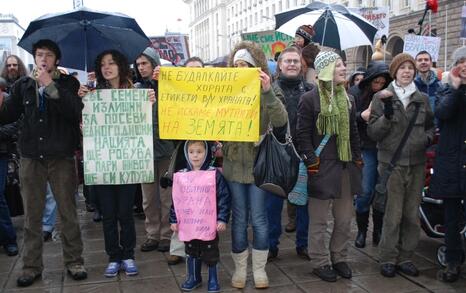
165,182
388,108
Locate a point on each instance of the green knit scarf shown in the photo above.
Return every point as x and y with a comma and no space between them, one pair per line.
334,117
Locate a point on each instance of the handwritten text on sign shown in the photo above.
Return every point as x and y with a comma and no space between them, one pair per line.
117,137
194,199
209,103
415,44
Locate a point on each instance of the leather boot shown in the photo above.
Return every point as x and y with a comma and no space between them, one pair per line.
193,274
259,260
238,280
212,285
362,219
377,220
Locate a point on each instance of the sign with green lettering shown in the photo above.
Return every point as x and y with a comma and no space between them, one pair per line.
271,42
117,137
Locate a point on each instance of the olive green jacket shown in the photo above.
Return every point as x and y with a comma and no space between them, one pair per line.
238,157
388,132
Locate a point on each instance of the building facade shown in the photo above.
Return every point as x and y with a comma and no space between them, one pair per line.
10,34
216,25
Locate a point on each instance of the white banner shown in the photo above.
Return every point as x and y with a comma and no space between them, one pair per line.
117,137
378,16
415,44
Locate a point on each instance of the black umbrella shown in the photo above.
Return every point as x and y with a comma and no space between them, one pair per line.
82,34
335,26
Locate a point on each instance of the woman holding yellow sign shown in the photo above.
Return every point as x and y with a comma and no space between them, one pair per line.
248,200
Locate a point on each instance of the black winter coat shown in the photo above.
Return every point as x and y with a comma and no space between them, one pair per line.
326,184
52,133
449,178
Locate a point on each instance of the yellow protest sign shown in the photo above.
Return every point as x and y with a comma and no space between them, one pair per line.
209,103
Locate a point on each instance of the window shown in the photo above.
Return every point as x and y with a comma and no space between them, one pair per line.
280,7
287,4
273,9
404,3
267,12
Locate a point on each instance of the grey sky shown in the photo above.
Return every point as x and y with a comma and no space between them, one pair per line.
153,16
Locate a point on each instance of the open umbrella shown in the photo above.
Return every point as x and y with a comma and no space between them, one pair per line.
82,34
335,26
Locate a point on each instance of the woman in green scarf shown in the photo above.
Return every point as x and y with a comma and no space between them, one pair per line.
335,175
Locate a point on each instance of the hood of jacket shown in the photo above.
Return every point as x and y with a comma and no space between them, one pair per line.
207,158
256,52
374,70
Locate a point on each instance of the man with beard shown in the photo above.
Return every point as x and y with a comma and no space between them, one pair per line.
13,70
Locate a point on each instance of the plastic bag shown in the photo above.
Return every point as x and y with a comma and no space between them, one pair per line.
276,165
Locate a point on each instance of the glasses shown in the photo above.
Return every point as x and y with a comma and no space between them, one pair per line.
12,65
292,61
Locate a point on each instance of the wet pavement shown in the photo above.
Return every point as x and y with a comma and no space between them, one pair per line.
288,273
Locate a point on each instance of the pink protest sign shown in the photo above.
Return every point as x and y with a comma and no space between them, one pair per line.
194,199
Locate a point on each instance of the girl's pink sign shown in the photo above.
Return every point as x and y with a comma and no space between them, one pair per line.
194,199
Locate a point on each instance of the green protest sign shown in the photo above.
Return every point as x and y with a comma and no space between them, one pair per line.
270,41
117,137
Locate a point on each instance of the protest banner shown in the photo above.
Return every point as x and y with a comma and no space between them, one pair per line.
271,42
117,137
195,202
172,47
209,103
377,16
414,44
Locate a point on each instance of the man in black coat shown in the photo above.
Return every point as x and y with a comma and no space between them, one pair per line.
449,179
49,136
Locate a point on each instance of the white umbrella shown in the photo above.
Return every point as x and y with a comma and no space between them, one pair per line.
335,26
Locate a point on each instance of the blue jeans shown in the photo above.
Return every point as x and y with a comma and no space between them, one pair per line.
50,211
369,180
274,213
248,202
7,231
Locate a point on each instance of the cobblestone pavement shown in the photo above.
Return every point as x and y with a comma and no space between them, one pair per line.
287,273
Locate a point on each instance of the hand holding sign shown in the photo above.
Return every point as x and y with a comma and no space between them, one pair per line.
265,80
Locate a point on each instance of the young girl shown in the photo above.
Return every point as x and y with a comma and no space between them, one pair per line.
116,201
198,156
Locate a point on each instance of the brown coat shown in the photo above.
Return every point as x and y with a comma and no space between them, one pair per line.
326,184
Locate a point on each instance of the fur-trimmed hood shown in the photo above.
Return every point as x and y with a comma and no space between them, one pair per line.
256,52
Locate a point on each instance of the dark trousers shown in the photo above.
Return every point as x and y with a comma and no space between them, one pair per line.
454,220
116,206
206,251
7,231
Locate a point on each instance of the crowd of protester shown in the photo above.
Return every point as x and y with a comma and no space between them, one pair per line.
359,119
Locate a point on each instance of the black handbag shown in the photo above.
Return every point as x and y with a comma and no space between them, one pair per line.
380,193
276,165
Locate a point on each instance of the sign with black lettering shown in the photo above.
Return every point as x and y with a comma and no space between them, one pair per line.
117,137
209,103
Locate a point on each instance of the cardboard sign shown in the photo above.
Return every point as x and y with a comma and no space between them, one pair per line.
415,44
271,42
209,103
117,137
377,16
194,198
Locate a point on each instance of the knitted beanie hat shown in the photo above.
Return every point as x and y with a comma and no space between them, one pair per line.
398,60
457,55
306,32
325,65
244,55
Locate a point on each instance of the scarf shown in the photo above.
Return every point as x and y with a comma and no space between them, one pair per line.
334,117
40,98
404,93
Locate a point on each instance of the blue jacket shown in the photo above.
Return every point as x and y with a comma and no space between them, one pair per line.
223,192
430,88
449,178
